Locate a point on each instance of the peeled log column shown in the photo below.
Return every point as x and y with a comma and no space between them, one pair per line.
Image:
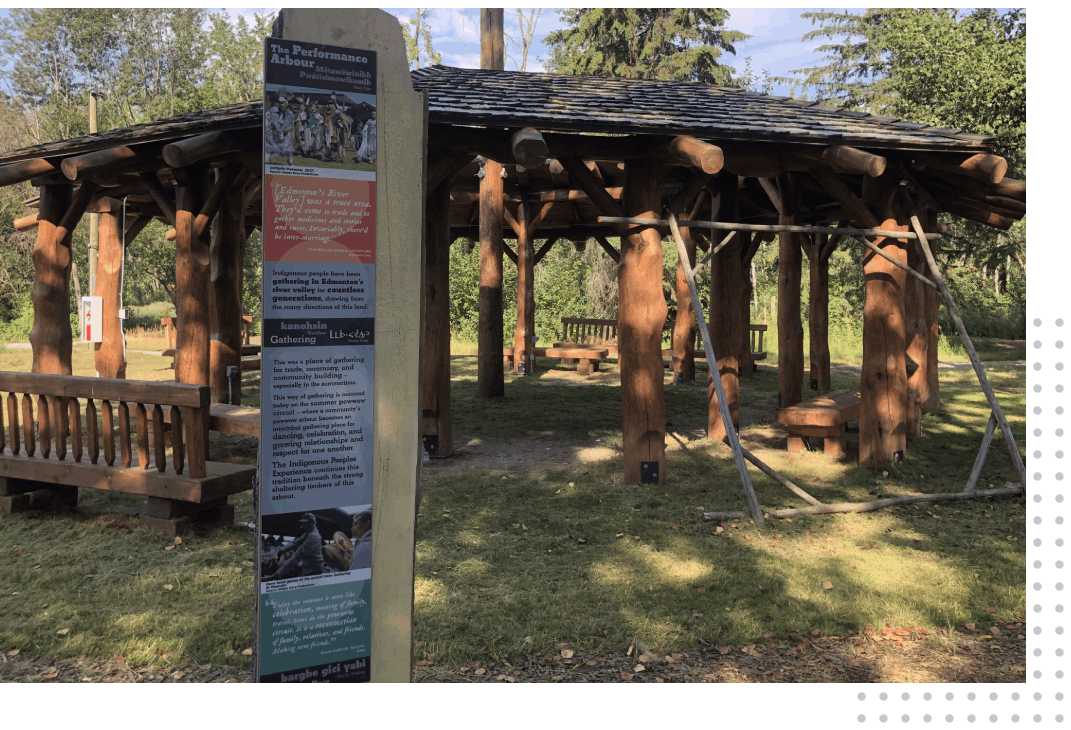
789,323
490,380
641,315
435,350
883,381
109,354
726,290
684,325
192,270
932,307
525,329
745,362
818,321
917,337
225,310
50,337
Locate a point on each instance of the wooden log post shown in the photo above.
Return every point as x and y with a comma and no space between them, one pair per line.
726,291
917,340
192,272
818,321
684,325
641,315
523,359
51,337
749,244
883,382
490,379
789,322
225,303
109,355
435,352
932,307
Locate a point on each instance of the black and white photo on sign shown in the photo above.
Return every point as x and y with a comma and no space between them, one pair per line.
320,542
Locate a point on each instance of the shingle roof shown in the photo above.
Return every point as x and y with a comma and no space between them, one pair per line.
554,102
612,105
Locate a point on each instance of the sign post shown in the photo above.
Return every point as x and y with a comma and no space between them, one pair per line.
340,379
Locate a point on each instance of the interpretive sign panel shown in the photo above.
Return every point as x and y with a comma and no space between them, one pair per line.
318,334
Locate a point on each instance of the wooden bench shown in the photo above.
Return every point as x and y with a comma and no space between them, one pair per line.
240,420
602,333
825,416
586,358
700,353
34,455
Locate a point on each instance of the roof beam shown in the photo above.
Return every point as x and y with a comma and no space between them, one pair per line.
18,172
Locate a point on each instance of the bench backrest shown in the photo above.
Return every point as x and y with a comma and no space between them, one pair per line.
168,323
589,331
757,330
58,416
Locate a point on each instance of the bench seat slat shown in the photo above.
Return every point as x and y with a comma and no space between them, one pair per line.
222,479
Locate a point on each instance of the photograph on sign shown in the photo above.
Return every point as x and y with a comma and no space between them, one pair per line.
318,358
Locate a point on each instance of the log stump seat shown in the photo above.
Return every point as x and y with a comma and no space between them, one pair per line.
55,450
825,416
586,358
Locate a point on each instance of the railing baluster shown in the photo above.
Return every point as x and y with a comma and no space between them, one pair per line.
91,431
44,428
178,451
158,437
108,423
74,423
60,425
13,420
195,441
27,424
124,434
142,425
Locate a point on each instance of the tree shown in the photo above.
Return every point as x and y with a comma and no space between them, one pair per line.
668,44
235,65
527,25
418,41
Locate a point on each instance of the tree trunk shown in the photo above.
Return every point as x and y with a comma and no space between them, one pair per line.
225,304
684,325
726,292
51,337
523,360
641,315
818,322
490,379
435,353
109,354
789,320
883,418
192,271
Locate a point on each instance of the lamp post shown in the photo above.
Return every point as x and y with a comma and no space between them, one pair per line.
94,218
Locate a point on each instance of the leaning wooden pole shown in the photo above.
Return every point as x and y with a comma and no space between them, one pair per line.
726,417
818,320
523,359
953,311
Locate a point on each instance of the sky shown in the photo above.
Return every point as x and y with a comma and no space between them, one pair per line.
776,44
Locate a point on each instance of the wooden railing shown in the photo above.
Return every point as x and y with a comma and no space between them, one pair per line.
58,417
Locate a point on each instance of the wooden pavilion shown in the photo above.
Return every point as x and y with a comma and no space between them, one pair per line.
528,156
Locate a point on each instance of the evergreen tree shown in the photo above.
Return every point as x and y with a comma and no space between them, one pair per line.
668,44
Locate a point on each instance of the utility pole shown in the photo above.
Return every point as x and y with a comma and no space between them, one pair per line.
94,218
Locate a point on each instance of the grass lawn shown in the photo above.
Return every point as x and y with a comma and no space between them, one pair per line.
527,537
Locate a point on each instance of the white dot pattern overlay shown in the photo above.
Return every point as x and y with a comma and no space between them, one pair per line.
961,706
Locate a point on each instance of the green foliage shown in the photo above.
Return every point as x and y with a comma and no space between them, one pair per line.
147,316
678,44
418,40
252,255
